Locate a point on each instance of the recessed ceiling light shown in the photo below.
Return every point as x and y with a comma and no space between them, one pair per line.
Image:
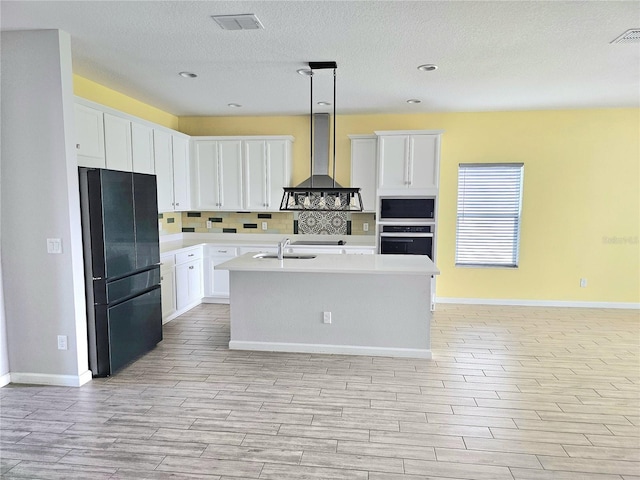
414,100
187,74
234,105
305,72
324,104
427,67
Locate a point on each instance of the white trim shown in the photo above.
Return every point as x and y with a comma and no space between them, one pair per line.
539,303
5,379
409,132
177,313
221,300
49,379
331,349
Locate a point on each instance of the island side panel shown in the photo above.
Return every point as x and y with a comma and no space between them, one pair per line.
370,314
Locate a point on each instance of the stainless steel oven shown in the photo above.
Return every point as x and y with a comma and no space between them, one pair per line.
406,240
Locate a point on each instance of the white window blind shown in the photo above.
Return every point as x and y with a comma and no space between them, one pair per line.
489,206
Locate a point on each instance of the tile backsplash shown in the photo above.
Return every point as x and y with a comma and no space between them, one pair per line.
247,222
237,222
170,223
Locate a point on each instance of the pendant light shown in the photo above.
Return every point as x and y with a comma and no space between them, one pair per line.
321,193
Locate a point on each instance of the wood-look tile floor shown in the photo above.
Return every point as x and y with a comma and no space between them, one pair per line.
511,393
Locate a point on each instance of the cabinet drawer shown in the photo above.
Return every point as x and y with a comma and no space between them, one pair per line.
188,255
221,251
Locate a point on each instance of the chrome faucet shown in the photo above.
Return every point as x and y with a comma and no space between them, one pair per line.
281,246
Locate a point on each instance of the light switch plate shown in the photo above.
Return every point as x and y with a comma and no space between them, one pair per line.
264,225
54,245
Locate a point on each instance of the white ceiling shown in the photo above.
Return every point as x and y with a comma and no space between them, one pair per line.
492,55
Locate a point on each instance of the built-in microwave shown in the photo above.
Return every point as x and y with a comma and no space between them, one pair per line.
407,209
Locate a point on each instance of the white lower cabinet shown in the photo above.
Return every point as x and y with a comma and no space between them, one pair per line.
188,278
216,282
167,286
196,279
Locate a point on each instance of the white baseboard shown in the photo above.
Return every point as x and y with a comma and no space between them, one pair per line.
48,379
177,313
5,379
538,303
330,349
223,300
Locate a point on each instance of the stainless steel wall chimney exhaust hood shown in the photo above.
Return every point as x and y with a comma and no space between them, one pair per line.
321,192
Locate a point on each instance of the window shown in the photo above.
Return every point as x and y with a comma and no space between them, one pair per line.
488,221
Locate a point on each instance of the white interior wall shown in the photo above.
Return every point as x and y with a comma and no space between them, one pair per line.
43,293
4,355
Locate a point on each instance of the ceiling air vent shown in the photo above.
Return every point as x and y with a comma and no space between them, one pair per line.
630,36
245,21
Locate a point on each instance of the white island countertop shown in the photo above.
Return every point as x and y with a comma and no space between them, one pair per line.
330,263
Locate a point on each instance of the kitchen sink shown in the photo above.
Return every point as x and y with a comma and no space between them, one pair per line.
286,256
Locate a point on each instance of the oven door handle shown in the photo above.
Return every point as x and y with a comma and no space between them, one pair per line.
406,235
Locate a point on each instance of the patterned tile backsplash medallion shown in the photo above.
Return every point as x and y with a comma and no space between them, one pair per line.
323,223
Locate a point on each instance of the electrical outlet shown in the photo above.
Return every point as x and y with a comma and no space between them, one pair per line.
583,282
326,317
62,342
54,245
264,225
209,224
365,227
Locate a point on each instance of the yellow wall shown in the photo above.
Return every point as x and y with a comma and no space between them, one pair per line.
581,201
95,92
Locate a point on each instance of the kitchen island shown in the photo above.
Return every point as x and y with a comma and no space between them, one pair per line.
341,304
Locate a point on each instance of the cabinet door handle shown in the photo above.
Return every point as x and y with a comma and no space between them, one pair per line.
191,255
77,146
410,162
191,267
177,204
222,251
161,278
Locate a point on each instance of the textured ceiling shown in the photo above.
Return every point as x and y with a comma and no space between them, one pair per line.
498,55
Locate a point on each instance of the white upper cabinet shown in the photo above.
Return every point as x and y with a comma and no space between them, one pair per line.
218,174
181,187
279,171
164,170
229,183
171,154
117,143
408,161
142,148
89,136
240,173
205,174
363,168
267,168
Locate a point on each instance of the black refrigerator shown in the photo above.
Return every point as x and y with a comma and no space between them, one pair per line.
122,266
